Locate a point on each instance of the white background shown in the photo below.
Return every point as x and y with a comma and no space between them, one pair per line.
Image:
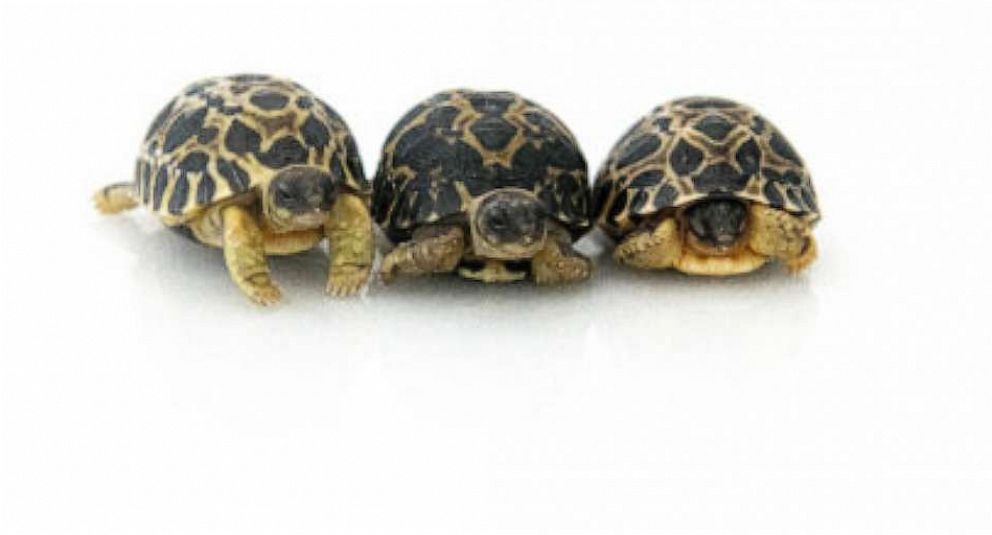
140,393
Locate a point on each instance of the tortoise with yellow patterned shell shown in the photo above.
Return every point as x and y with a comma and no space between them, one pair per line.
257,166
706,186
486,183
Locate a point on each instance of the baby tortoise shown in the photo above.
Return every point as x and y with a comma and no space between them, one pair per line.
488,183
257,166
709,187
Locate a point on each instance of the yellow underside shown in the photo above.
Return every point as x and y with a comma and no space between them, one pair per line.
208,229
743,261
492,272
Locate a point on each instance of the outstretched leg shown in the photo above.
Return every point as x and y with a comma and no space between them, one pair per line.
115,198
658,248
350,239
558,262
781,235
244,253
433,249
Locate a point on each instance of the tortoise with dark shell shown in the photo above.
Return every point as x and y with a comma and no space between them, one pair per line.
486,183
257,166
709,187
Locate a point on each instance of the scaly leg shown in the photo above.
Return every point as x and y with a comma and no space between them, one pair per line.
558,262
115,198
659,248
352,245
244,253
781,235
433,249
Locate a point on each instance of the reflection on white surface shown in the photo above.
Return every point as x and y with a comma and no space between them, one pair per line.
626,313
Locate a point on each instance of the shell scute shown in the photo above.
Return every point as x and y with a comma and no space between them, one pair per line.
698,147
221,137
458,145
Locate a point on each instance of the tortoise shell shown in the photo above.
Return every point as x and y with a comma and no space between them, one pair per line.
461,144
696,148
221,137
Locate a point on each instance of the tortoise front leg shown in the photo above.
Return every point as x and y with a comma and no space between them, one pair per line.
244,253
558,262
433,249
350,239
658,248
781,235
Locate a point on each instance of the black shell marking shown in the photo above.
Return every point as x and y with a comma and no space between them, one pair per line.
460,144
694,148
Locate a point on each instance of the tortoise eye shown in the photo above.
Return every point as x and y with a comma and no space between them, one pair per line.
698,228
499,220
283,197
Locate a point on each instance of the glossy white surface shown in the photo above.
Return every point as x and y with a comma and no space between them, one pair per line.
140,393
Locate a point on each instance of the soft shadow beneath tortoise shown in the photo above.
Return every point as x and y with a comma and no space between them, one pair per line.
637,314
175,268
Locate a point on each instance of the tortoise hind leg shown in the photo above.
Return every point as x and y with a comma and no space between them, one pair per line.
781,235
244,253
433,249
115,198
658,248
558,262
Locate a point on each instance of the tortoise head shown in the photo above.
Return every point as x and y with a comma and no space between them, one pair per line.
716,226
298,197
508,224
